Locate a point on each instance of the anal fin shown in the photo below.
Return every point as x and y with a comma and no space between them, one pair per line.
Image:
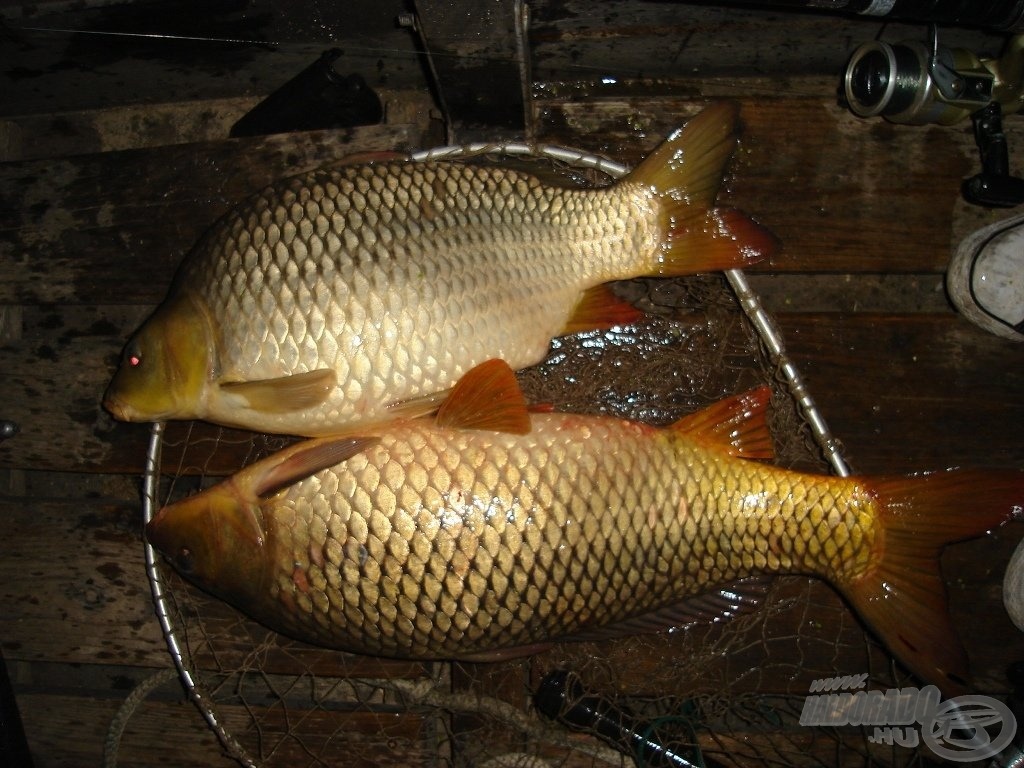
600,308
417,407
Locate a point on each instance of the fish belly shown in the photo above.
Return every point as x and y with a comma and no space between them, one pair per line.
401,277
441,544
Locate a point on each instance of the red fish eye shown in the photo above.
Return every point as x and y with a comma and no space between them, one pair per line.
134,360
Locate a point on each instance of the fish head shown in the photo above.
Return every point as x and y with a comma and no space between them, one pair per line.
166,367
215,539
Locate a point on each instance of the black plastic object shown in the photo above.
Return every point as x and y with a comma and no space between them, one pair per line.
316,98
994,187
562,697
13,746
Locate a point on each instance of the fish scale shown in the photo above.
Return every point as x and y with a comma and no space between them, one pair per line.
324,299
486,531
379,294
446,543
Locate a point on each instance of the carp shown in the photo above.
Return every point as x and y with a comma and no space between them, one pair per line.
326,299
489,530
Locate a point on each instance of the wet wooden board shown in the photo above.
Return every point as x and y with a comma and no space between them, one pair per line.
859,195
911,392
868,215
112,227
68,730
135,126
594,45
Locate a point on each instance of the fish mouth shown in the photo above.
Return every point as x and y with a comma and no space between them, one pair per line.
115,408
119,409
124,411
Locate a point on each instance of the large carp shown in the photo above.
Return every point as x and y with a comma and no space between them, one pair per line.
488,531
331,295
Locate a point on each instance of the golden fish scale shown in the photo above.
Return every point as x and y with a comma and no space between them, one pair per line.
436,543
377,271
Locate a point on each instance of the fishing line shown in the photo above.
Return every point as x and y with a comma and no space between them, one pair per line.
147,35
602,74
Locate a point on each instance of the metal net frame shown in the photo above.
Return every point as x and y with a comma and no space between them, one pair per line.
685,316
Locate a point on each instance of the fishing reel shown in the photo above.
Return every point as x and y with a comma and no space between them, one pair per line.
915,84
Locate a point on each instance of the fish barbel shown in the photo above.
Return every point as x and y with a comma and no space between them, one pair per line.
488,531
327,297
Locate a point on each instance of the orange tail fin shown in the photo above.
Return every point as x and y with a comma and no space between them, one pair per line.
903,598
685,172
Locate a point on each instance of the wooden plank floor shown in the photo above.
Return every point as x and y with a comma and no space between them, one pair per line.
868,214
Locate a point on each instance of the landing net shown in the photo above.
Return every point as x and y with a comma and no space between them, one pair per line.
726,693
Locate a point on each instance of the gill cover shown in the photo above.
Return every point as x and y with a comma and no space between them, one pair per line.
165,368
217,539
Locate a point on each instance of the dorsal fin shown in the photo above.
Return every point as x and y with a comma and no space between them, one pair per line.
299,461
737,425
486,397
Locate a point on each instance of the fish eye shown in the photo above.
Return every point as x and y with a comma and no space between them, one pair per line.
133,356
186,560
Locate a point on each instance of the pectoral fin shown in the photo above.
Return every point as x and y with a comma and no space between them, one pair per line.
301,460
285,394
417,407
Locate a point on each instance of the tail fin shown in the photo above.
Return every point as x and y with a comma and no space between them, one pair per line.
903,597
685,172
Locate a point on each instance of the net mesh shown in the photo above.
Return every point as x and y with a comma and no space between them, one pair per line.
728,692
